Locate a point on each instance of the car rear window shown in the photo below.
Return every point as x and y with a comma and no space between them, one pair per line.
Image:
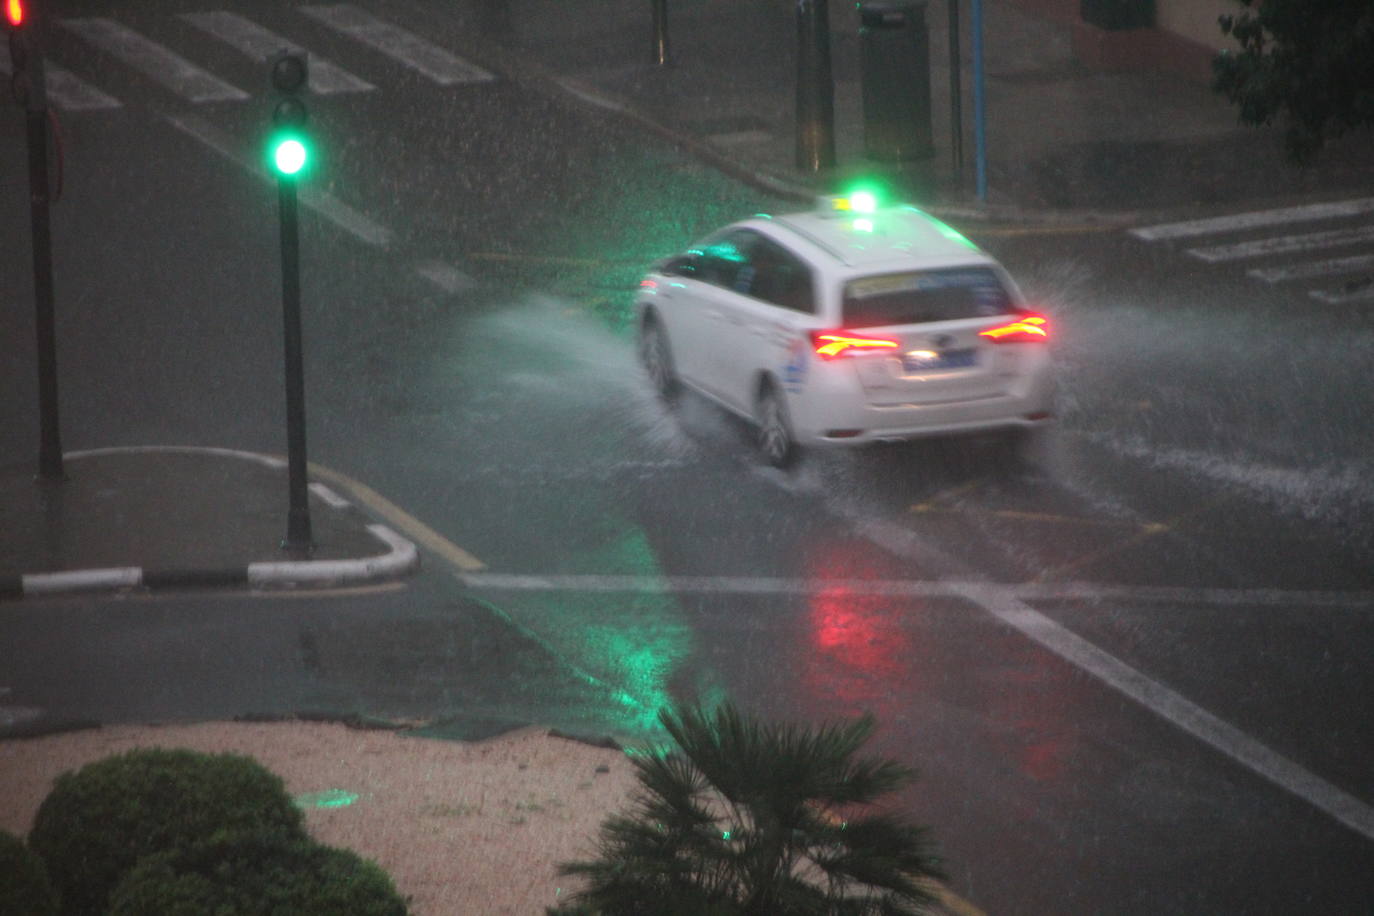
932,295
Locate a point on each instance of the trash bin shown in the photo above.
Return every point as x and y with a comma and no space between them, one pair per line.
895,69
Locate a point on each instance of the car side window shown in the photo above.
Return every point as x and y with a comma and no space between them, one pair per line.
725,262
780,277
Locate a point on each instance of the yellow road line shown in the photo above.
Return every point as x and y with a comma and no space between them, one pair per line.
1147,531
951,902
409,525
933,504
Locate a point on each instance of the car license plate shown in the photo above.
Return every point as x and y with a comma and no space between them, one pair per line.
949,359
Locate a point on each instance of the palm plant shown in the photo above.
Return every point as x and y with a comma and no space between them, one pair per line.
744,818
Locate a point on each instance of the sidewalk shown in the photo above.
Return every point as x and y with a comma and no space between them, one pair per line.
153,518
1058,136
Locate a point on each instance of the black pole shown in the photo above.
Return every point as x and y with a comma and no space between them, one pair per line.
815,90
28,54
298,537
956,107
660,42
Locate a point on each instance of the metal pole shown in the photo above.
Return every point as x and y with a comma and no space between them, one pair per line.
50,467
298,536
660,42
956,102
815,90
979,117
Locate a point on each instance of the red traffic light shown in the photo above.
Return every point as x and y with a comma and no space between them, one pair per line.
15,13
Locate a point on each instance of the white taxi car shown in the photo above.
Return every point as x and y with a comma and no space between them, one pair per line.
847,325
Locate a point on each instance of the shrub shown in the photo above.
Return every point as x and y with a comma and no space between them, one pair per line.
98,822
24,886
744,819
256,874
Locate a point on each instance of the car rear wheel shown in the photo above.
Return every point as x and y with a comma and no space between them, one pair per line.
774,430
657,359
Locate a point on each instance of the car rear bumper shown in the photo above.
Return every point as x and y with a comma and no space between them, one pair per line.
870,423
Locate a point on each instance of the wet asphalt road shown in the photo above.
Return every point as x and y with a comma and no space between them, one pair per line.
1093,658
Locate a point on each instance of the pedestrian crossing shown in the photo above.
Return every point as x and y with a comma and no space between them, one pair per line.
177,63
1289,244
258,43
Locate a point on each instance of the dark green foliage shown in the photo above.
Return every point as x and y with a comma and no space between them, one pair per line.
256,874
1309,63
98,822
740,819
24,886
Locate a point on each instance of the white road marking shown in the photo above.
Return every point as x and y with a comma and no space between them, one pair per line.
1306,271
1363,293
270,461
1284,244
1177,709
67,91
259,43
328,206
334,500
429,59
1241,221
590,95
918,588
1002,602
158,62
445,276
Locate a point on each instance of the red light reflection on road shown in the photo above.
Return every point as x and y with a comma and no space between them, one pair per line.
865,652
859,653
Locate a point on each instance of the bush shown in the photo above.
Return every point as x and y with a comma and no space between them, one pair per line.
98,822
256,874
24,886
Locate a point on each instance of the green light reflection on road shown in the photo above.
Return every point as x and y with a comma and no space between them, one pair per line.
329,798
633,645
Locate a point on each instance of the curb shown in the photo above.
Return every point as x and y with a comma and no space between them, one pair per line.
401,555
401,558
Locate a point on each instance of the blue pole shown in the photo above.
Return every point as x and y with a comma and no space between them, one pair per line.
979,114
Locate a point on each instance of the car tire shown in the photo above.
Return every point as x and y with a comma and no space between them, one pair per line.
774,431
656,357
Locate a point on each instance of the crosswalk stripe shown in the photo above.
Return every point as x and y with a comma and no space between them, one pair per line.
406,47
1255,220
322,202
445,276
258,43
1328,268
1284,244
1344,295
68,92
158,62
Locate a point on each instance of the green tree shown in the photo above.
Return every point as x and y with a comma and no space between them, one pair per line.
1309,63
745,818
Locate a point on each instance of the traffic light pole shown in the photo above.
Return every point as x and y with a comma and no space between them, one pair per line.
298,535
26,53
45,315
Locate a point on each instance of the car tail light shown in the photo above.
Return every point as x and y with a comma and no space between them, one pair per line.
835,344
1029,327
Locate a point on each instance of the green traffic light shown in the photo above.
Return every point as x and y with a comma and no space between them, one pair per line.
289,156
